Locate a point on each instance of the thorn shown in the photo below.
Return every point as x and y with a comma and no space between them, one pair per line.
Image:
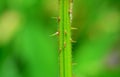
54,17
57,18
64,44
60,50
65,32
72,41
72,28
57,33
70,11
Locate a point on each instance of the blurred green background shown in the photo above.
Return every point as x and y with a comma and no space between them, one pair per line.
27,50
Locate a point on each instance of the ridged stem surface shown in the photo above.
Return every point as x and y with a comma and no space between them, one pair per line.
65,39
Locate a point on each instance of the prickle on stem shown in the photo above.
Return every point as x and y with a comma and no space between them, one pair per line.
72,28
72,40
54,34
57,18
64,44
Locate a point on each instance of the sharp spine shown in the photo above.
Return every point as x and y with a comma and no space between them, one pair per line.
72,28
54,34
72,40
56,18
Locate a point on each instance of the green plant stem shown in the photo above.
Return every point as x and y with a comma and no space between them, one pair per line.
65,39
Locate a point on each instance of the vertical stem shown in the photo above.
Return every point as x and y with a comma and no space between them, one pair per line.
65,39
